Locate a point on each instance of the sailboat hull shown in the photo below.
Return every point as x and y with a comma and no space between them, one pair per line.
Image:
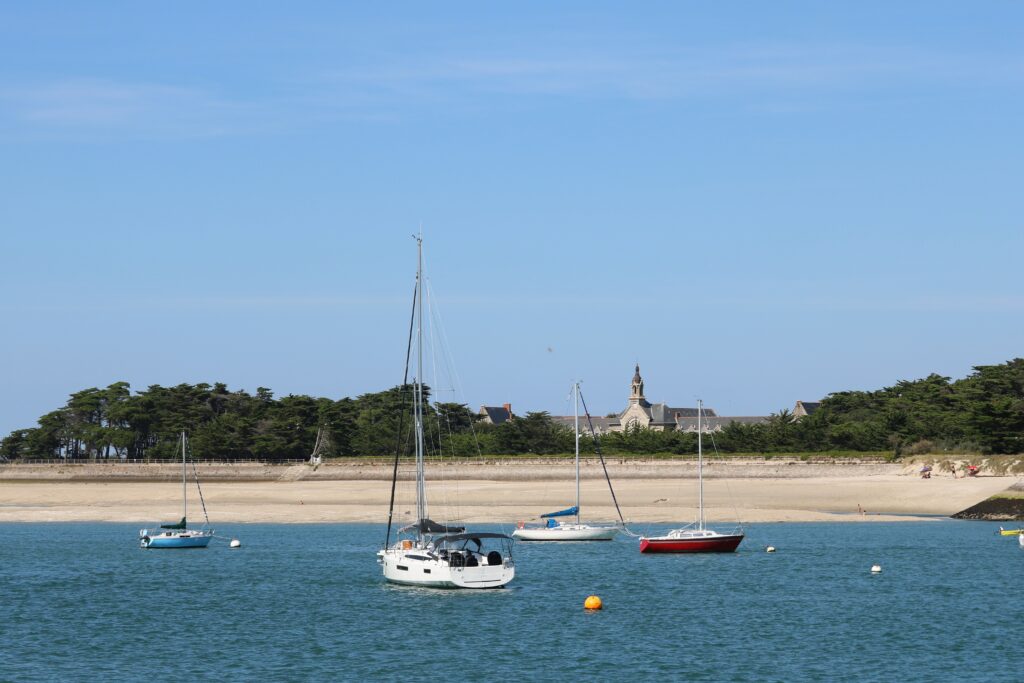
189,539
721,543
417,568
566,532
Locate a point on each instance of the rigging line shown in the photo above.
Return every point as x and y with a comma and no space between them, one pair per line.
401,414
437,329
438,445
439,336
198,487
450,367
732,499
597,449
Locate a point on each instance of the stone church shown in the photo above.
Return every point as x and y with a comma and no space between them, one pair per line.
640,413
658,417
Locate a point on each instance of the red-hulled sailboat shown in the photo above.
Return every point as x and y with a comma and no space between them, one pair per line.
695,538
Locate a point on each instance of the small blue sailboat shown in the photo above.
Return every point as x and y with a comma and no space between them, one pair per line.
179,535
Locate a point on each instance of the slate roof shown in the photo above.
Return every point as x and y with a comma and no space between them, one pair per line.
601,424
809,406
496,414
663,414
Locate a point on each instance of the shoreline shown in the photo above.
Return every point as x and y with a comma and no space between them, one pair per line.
649,491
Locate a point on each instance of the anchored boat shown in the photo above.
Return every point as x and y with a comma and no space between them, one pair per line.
432,554
554,530
695,538
179,535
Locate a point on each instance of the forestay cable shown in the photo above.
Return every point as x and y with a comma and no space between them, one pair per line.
195,473
597,449
401,416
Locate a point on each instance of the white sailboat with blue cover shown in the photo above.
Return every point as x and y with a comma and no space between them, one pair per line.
556,530
173,536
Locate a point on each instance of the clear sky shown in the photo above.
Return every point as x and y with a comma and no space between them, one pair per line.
759,202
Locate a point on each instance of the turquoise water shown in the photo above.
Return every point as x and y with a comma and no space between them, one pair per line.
307,603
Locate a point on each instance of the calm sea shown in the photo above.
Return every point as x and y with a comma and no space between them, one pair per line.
307,603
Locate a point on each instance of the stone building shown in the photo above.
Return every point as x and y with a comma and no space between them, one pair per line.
639,413
658,417
804,408
494,415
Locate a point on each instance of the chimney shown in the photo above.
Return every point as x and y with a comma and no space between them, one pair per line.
508,409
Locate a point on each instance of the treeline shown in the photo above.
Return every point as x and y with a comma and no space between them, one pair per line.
982,413
222,424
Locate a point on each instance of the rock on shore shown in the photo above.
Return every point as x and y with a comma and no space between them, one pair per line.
1007,506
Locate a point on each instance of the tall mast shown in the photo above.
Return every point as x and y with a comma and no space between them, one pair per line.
700,464
421,495
184,488
576,424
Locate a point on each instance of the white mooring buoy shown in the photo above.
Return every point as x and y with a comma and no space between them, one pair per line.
770,549
235,543
876,569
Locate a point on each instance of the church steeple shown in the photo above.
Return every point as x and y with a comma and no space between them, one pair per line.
636,391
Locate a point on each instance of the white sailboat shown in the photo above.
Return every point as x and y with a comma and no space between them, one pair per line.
179,535
432,554
555,530
696,537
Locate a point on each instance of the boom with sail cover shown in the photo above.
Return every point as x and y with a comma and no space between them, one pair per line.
429,526
574,510
180,525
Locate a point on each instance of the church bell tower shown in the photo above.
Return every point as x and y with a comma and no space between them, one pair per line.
636,390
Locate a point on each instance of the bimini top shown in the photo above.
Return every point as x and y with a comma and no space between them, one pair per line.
469,537
429,526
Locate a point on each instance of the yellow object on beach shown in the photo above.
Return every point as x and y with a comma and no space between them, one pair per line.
1010,532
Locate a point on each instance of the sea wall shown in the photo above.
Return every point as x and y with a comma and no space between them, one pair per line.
508,469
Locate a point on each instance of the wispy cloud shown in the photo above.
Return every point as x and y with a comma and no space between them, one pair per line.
676,73
780,78
128,109
270,303
201,304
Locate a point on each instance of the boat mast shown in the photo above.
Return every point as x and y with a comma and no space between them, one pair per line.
576,424
184,488
700,464
421,495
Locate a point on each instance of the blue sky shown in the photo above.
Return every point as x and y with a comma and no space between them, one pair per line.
759,202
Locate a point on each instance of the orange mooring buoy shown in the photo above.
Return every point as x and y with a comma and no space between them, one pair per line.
592,602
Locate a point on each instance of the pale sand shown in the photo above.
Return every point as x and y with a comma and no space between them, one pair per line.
884,497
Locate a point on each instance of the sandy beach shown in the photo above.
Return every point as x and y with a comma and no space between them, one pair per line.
650,491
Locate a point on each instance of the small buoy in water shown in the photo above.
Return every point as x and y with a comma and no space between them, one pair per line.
235,543
592,602
876,569
770,549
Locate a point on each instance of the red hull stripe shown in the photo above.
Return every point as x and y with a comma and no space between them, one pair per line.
725,544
